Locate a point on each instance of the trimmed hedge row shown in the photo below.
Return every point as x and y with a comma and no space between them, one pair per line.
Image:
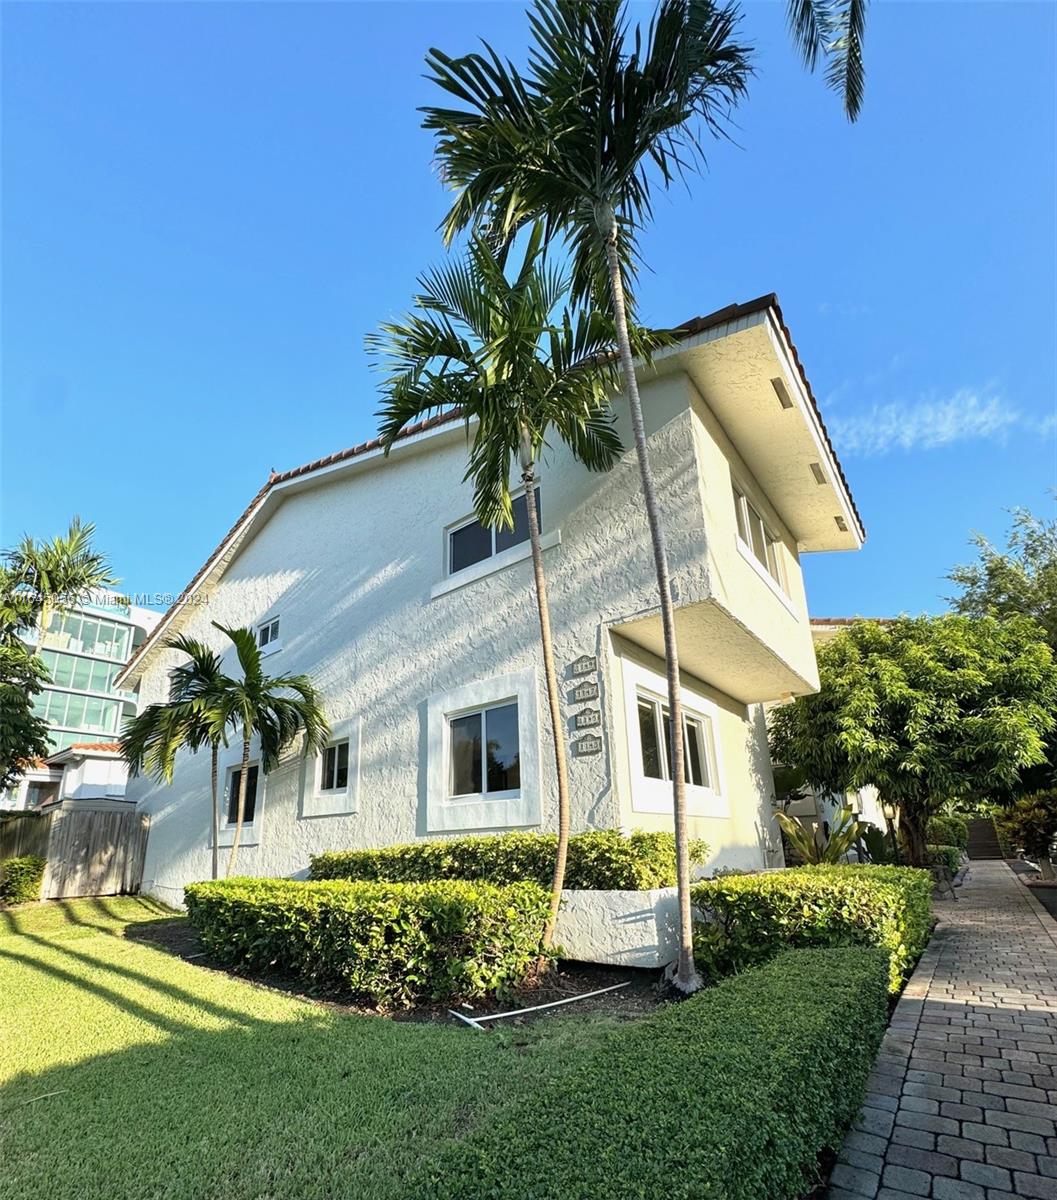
730,1095
749,918
605,860
21,879
948,831
945,856
390,944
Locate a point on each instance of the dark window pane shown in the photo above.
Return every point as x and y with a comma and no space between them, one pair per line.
342,767
250,805
466,755
651,752
504,763
505,538
327,780
470,544
696,770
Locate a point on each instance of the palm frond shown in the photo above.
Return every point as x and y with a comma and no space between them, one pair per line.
833,31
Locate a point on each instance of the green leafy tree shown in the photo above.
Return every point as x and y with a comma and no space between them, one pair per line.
926,710
1031,825
23,734
603,115
198,713
276,709
520,372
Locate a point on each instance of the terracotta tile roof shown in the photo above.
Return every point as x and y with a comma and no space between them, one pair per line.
95,746
686,329
850,620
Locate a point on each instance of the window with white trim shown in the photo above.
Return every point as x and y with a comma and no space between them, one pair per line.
268,635
757,538
471,542
484,751
249,807
655,743
334,764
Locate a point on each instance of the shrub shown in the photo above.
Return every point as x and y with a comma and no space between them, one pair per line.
749,919
730,1095
951,830
606,860
20,879
1030,824
391,944
945,856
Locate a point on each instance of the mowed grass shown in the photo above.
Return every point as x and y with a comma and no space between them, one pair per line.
129,1074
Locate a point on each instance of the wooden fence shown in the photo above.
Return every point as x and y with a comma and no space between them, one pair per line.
89,853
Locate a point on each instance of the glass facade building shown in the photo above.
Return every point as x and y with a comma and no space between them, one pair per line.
83,650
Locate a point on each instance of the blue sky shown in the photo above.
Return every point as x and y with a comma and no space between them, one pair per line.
207,206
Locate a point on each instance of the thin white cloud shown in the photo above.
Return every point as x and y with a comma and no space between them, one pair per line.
968,415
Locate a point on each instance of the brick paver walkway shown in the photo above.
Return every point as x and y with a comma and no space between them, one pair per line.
962,1102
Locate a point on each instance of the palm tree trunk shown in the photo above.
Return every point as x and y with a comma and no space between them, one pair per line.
686,977
554,704
213,780
240,812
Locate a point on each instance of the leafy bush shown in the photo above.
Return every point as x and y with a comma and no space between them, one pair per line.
730,1095
945,856
605,860
1031,825
948,831
20,879
749,919
391,944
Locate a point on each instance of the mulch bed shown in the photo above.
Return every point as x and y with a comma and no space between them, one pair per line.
641,997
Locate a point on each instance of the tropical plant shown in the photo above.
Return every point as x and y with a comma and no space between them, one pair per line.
815,847
880,846
198,713
924,709
276,709
519,371
831,31
23,733
576,142
1031,824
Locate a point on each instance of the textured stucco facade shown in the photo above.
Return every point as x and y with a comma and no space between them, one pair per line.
353,562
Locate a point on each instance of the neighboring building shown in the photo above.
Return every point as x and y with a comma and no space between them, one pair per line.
419,627
83,650
88,774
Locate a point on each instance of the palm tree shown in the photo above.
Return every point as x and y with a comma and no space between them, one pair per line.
517,370
573,143
60,574
261,704
197,714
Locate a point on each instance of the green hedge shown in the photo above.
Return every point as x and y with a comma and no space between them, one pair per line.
20,879
749,918
391,944
606,860
948,831
730,1095
945,856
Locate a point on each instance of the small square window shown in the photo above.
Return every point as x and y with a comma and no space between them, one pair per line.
484,750
268,633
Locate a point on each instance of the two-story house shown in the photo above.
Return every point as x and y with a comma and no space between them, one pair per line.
419,627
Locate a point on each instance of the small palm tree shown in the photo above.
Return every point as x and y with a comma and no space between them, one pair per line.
518,371
577,142
263,705
197,714
62,573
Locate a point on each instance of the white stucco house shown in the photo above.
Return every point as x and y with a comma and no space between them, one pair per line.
419,628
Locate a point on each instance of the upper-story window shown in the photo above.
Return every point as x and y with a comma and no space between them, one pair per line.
471,542
88,635
757,538
268,635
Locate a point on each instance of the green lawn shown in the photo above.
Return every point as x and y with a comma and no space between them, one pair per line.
128,1073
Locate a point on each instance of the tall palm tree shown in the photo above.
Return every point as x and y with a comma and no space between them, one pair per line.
518,370
62,573
263,705
197,714
580,141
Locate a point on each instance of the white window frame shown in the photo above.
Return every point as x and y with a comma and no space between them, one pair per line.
225,799
230,761
777,581
274,643
649,795
472,519
317,801
515,808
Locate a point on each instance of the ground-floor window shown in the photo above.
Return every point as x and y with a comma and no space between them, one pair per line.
250,804
484,751
335,767
655,733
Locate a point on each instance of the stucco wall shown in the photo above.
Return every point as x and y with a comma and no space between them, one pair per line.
349,566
